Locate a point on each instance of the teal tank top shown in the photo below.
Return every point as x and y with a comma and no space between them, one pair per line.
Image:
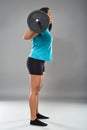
42,46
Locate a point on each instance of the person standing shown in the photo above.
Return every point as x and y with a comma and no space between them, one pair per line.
41,52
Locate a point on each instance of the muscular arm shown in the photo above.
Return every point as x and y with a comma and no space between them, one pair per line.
29,34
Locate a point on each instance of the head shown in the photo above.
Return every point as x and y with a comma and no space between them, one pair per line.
48,12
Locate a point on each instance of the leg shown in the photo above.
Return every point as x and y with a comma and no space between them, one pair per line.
39,116
35,81
35,87
42,78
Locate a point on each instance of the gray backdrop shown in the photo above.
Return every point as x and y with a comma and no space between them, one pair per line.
66,75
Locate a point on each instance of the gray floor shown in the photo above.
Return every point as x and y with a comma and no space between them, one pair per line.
64,115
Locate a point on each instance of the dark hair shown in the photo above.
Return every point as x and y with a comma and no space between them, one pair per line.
45,9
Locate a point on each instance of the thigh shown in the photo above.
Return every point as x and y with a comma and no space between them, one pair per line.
42,78
35,82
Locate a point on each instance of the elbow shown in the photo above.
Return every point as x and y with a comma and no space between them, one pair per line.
25,37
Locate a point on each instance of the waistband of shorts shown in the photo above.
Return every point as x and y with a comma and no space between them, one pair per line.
36,59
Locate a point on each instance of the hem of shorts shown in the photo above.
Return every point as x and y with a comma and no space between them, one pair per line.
35,74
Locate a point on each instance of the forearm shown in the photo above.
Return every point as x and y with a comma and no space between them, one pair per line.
29,35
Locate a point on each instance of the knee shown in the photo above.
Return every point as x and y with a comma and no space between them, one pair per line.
36,90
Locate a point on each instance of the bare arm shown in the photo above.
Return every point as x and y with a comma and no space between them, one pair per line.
29,34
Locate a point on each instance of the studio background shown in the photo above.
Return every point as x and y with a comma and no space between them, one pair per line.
66,76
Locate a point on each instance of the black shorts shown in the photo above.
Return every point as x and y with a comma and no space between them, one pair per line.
35,66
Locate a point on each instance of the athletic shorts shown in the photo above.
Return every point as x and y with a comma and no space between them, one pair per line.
35,66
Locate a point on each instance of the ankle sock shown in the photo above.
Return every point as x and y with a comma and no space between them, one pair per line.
37,123
39,116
